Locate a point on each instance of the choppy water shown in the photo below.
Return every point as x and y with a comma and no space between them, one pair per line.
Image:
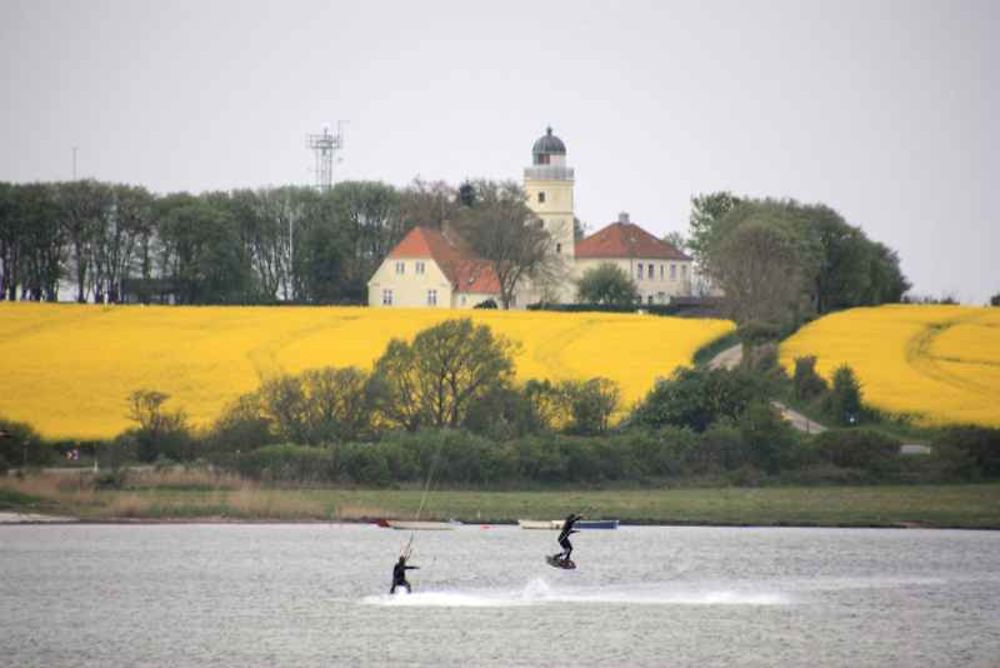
315,595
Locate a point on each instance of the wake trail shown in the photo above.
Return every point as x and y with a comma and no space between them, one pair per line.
540,592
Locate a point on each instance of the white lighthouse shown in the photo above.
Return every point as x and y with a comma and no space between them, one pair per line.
548,183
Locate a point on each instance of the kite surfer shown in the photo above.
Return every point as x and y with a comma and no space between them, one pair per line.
567,529
399,575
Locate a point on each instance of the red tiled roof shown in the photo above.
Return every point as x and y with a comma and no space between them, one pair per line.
466,271
626,240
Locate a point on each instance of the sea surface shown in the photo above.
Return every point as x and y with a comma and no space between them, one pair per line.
316,595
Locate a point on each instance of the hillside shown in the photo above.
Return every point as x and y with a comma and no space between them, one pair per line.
940,364
67,369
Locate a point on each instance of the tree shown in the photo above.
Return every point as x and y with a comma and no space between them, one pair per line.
808,384
676,239
758,267
200,250
696,398
84,206
706,212
995,300
502,230
607,284
368,211
591,404
429,204
31,243
160,433
432,381
338,404
128,222
844,401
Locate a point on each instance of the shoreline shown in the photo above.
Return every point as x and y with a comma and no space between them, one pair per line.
10,518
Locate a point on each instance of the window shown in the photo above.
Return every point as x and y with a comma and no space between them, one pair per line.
673,272
684,271
419,268
400,267
387,298
661,272
432,297
639,270
558,248
463,300
661,297
541,198
649,299
651,268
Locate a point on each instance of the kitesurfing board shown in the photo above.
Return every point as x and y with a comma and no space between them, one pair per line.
566,564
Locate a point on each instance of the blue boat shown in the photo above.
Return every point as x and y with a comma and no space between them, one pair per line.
597,524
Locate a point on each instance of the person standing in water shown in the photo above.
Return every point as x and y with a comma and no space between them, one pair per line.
399,575
567,529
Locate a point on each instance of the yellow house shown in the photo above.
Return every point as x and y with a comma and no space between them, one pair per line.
429,268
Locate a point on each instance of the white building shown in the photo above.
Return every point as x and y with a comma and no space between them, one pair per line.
428,268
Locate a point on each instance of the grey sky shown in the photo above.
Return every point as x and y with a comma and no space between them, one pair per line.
886,111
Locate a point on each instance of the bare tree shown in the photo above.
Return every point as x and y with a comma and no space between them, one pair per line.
757,267
502,230
427,204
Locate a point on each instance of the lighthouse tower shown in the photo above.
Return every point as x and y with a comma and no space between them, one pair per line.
548,183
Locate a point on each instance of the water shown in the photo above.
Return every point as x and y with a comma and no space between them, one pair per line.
315,595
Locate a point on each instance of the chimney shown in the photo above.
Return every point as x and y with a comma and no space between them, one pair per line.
623,217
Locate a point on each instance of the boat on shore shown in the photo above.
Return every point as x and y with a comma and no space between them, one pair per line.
557,524
419,525
540,524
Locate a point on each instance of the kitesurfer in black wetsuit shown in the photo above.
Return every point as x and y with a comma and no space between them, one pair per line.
399,575
567,529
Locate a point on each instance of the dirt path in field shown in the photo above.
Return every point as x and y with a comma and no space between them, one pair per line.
730,358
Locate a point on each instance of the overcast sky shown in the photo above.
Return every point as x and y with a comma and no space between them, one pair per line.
886,111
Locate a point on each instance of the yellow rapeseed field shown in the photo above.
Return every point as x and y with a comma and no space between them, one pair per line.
940,364
67,369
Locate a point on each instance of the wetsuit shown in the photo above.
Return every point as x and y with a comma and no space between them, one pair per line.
399,575
567,529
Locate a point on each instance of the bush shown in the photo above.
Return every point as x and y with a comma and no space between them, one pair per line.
808,384
974,451
721,448
770,444
590,404
502,414
160,433
696,398
21,446
843,404
289,463
241,426
858,448
366,464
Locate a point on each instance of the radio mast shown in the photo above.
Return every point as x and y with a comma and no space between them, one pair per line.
325,146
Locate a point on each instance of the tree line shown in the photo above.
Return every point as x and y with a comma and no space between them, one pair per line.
114,242
779,262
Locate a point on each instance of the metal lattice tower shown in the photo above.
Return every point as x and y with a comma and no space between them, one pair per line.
325,146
